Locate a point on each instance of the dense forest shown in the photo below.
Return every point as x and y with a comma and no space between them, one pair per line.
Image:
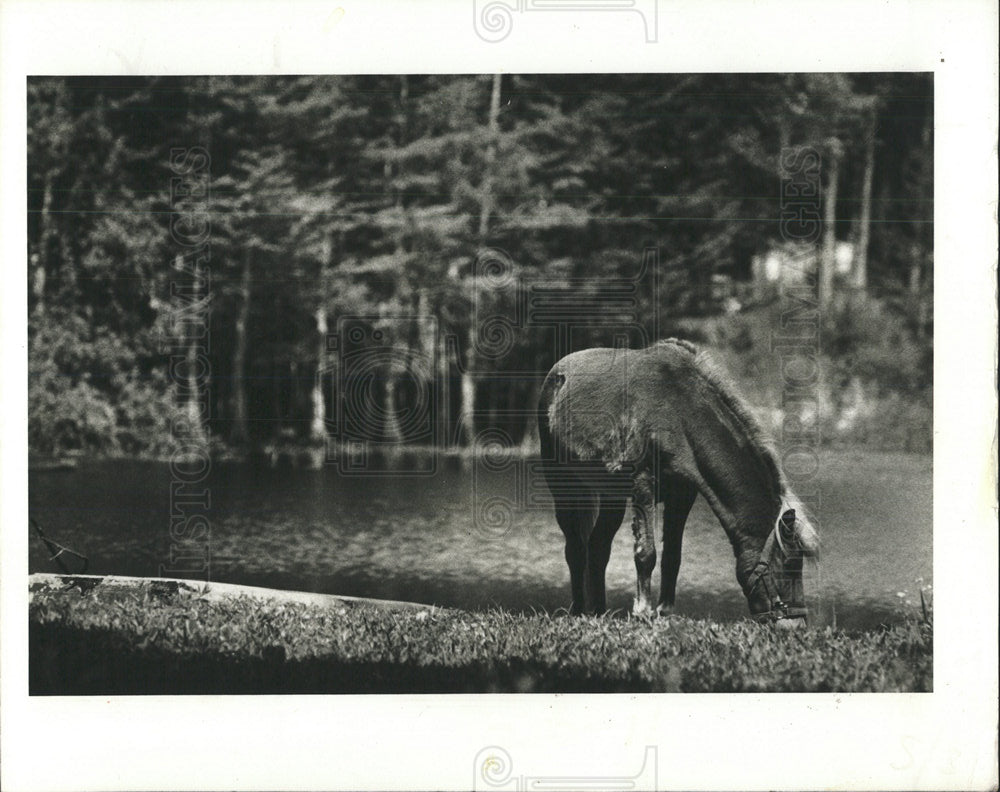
373,245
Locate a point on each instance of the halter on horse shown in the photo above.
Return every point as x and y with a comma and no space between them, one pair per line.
782,535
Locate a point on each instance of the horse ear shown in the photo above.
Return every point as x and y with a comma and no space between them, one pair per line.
788,525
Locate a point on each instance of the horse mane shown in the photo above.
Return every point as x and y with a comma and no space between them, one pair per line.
722,386
687,346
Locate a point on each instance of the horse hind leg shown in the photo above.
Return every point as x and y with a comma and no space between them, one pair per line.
678,498
609,520
644,550
576,518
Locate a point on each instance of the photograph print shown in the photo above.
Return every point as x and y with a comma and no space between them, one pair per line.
480,383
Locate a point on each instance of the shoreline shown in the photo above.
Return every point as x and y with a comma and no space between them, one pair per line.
97,635
286,455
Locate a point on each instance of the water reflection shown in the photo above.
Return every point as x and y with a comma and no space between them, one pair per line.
417,537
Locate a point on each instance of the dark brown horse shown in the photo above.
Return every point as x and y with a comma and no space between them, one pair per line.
661,424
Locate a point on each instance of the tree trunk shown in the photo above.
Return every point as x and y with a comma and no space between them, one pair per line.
828,257
915,284
491,155
469,396
317,429
426,330
916,288
391,429
486,210
860,263
922,253
38,284
239,431
529,439
456,363
197,434
41,260
444,391
401,140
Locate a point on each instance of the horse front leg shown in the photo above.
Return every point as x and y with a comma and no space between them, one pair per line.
644,550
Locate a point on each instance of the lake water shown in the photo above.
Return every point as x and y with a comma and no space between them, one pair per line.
474,535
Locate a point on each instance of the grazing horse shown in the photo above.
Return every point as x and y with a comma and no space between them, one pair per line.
661,424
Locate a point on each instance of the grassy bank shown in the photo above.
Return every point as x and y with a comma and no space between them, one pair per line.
108,641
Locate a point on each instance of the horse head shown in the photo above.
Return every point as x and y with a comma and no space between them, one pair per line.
774,589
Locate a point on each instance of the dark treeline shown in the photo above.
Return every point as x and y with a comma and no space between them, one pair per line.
385,211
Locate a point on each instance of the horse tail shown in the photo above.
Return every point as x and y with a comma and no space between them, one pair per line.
545,398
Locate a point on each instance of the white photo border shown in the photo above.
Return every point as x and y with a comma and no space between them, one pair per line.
940,740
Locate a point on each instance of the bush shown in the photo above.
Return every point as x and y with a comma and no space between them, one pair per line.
876,386
892,423
864,339
88,391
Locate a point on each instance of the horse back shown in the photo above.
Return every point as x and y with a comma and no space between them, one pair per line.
615,406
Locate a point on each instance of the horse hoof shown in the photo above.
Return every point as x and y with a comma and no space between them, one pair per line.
640,608
664,610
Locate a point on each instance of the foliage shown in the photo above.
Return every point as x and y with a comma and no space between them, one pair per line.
115,641
876,378
89,392
868,340
372,197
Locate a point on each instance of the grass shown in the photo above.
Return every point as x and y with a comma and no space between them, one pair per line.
108,641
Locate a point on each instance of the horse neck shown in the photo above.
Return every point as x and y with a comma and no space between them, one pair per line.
738,482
